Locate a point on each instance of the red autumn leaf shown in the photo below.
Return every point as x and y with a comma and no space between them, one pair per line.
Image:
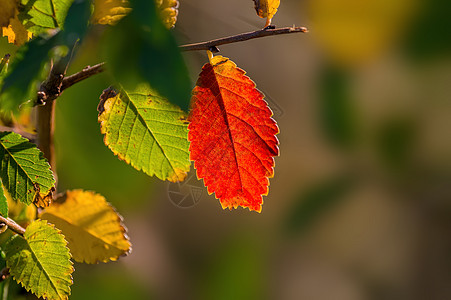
232,135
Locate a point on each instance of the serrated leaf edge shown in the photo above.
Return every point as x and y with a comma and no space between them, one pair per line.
178,173
120,220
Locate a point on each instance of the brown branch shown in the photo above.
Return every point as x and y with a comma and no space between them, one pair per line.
82,75
12,225
45,129
48,92
241,37
50,89
99,68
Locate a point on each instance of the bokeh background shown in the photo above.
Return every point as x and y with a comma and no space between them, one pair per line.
360,205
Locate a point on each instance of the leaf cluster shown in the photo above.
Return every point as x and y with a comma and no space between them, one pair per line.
78,224
143,115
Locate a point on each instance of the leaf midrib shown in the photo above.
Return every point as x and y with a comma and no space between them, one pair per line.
42,266
19,166
52,16
148,129
226,120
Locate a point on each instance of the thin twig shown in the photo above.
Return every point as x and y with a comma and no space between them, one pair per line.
92,70
68,81
12,225
241,37
82,75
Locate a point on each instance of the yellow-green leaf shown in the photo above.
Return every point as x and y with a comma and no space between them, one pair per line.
40,261
3,202
266,8
146,131
92,227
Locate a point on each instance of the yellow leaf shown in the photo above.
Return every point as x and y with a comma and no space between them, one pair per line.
354,31
109,12
266,9
168,11
92,227
16,32
7,11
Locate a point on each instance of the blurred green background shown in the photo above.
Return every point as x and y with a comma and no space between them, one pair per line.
360,205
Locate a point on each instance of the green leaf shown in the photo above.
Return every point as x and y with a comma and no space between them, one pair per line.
24,71
395,139
427,37
24,171
146,131
11,290
3,201
28,64
40,15
76,23
140,49
337,108
40,261
315,201
238,265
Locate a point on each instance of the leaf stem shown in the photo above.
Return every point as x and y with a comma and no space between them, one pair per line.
242,37
12,225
